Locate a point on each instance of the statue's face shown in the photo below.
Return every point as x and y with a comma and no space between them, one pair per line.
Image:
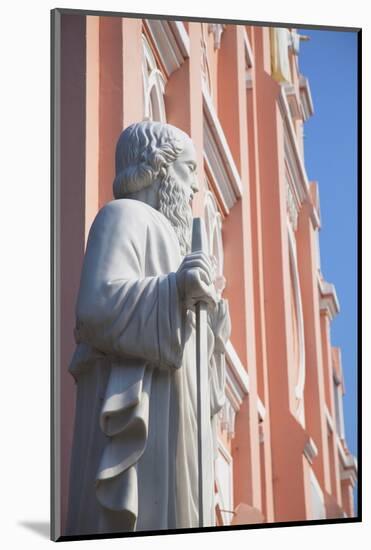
175,194
183,169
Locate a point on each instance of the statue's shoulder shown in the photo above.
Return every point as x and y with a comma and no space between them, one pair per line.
127,207
128,211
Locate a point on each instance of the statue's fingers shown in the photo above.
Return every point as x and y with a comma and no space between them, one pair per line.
206,294
199,268
200,261
200,264
204,276
199,255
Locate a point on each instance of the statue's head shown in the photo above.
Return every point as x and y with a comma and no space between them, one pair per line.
156,163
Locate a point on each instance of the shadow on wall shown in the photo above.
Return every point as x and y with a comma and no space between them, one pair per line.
42,528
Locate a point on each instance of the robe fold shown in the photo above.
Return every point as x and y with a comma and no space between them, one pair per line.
134,456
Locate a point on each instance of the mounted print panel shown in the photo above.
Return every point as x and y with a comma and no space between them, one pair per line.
196,383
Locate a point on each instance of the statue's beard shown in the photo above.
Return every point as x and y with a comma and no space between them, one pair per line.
173,204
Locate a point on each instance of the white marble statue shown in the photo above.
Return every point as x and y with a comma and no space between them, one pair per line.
134,455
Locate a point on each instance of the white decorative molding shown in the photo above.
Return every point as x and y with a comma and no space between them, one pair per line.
224,452
340,407
292,152
249,56
349,474
347,460
181,36
218,157
306,98
314,193
205,68
349,463
328,298
329,419
217,29
227,418
292,205
293,101
238,378
300,383
234,391
171,41
310,450
314,216
318,508
153,86
236,388
224,483
238,369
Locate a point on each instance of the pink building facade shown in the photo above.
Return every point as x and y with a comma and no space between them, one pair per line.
238,92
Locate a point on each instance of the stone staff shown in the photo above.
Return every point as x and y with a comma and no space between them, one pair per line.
199,244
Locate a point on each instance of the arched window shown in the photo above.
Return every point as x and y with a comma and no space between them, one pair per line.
153,86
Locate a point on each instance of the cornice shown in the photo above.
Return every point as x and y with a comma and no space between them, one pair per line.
349,464
310,450
171,41
292,99
294,159
329,302
315,213
306,98
329,419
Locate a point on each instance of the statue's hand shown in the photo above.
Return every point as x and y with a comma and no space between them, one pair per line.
195,280
220,324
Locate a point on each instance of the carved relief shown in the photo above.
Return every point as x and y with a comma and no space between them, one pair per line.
217,29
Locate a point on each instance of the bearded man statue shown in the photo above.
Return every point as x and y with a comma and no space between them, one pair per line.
134,455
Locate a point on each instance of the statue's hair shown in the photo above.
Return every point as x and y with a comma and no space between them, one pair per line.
143,153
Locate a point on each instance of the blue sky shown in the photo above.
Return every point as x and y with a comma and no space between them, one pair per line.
329,60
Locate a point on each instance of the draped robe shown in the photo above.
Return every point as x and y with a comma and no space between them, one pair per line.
134,455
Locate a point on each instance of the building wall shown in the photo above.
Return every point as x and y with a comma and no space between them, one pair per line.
238,92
